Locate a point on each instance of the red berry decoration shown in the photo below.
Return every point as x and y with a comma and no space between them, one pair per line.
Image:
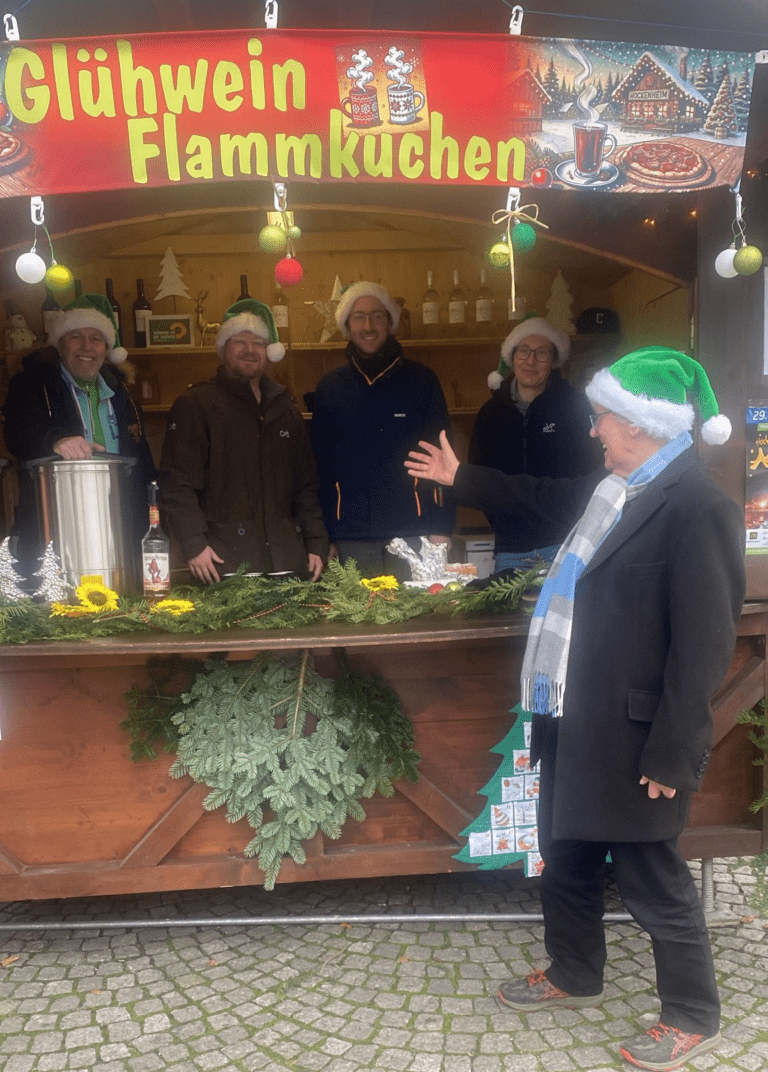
541,177
288,272
4,112
435,588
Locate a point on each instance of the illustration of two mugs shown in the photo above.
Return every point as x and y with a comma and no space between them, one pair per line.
362,105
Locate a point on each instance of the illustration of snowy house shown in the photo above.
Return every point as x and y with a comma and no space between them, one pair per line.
528,98
656,97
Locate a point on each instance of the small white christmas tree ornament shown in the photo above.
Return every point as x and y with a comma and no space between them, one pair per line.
172,284
560,305
9,578
52,588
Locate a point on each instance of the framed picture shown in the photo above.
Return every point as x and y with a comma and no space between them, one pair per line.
174,329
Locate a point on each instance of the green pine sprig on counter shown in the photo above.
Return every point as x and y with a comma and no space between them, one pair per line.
279,745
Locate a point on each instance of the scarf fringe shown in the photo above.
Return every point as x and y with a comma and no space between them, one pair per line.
542,696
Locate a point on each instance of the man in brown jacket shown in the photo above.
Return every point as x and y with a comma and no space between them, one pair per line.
238,482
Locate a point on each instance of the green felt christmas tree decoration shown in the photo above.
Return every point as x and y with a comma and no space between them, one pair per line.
506,831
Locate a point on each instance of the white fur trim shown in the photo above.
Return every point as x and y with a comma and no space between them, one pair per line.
75,319
236,324
658,417
716,430
537,325
364,289
275,351
495,380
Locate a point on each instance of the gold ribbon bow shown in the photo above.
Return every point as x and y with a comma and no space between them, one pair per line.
511,216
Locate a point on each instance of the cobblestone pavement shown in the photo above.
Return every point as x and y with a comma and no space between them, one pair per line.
415,997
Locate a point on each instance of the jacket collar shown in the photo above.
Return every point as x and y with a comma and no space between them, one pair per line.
377,366
643,507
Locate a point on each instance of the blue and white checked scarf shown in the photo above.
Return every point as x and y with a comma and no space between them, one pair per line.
549,639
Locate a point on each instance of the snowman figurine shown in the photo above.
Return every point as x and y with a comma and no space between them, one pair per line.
18,337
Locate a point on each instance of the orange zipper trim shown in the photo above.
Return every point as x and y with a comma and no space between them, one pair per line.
416,496
338,501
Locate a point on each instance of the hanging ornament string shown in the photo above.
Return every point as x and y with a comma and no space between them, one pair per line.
510,216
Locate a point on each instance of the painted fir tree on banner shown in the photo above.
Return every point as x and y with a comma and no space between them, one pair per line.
506,831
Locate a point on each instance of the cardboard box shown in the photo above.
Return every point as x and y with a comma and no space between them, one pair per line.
176,329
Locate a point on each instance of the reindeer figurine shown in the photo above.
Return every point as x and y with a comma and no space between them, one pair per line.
203,325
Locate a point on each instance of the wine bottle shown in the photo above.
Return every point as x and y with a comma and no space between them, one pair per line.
49,309
78,285
155,554
484,308
243,295
430,309
280,315
146,383
116,310
141,311
457,309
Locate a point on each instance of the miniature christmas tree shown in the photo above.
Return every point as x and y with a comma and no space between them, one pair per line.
742,94
507,828
9,578
560,304
53,588
722,120
171,283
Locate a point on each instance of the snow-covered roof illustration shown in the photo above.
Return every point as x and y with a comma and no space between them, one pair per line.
682,84
529,76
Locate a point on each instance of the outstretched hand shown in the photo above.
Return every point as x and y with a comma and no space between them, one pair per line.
435,463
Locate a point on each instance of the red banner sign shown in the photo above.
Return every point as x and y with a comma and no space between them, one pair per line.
368,106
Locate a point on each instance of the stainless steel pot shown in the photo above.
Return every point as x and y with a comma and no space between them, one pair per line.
82,510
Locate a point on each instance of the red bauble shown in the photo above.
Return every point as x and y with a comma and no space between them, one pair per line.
288,272
435,588
541,177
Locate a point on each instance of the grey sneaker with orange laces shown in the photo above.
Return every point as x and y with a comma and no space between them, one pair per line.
663,1048
536,992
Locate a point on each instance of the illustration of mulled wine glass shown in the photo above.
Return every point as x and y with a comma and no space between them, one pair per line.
591,142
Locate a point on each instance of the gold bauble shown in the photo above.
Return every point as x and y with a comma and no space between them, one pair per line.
59,278
498,255
748,260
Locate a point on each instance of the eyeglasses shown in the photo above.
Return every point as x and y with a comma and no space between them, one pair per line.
541,354
377,318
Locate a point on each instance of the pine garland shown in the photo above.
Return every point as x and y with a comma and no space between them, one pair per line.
241,602
277,744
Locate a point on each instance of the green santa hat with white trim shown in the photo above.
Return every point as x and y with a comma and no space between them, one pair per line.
650,388
89,311
256,317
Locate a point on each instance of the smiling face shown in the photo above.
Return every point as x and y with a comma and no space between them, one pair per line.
620,441
532,361
83,352
368,324
245,356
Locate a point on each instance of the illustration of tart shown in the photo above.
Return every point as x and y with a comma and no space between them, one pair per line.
662,161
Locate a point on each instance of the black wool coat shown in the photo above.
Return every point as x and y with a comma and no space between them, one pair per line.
654,626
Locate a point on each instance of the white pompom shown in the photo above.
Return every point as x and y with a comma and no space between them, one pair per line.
275,351
118,355
495,381
716,430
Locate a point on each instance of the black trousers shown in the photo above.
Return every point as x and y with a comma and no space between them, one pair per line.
658,891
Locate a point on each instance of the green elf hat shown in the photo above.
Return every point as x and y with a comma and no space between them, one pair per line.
256,317
650,388
90,311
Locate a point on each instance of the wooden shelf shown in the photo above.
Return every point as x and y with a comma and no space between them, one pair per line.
408,344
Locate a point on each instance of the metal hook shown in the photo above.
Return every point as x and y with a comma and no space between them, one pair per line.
281,196
516,20
11,27
513,198
37,210
270,14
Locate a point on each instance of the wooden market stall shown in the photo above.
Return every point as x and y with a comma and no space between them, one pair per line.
77,817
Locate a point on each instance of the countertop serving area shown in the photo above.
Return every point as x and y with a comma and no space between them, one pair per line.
78,817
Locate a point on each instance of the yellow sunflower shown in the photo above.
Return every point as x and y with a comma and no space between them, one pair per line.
95,596
379,584
66,610
173,606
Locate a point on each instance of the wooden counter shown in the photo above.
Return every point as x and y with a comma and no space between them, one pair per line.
78,818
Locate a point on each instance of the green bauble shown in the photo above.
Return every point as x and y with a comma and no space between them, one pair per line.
294,233
748,260
498,255
523,237
273,239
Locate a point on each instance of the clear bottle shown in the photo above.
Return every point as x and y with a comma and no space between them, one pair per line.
457,309
116,310
430,309
484,311
243,295
141,311
155,554
516,311
49,309
147,385
280,315
78,285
